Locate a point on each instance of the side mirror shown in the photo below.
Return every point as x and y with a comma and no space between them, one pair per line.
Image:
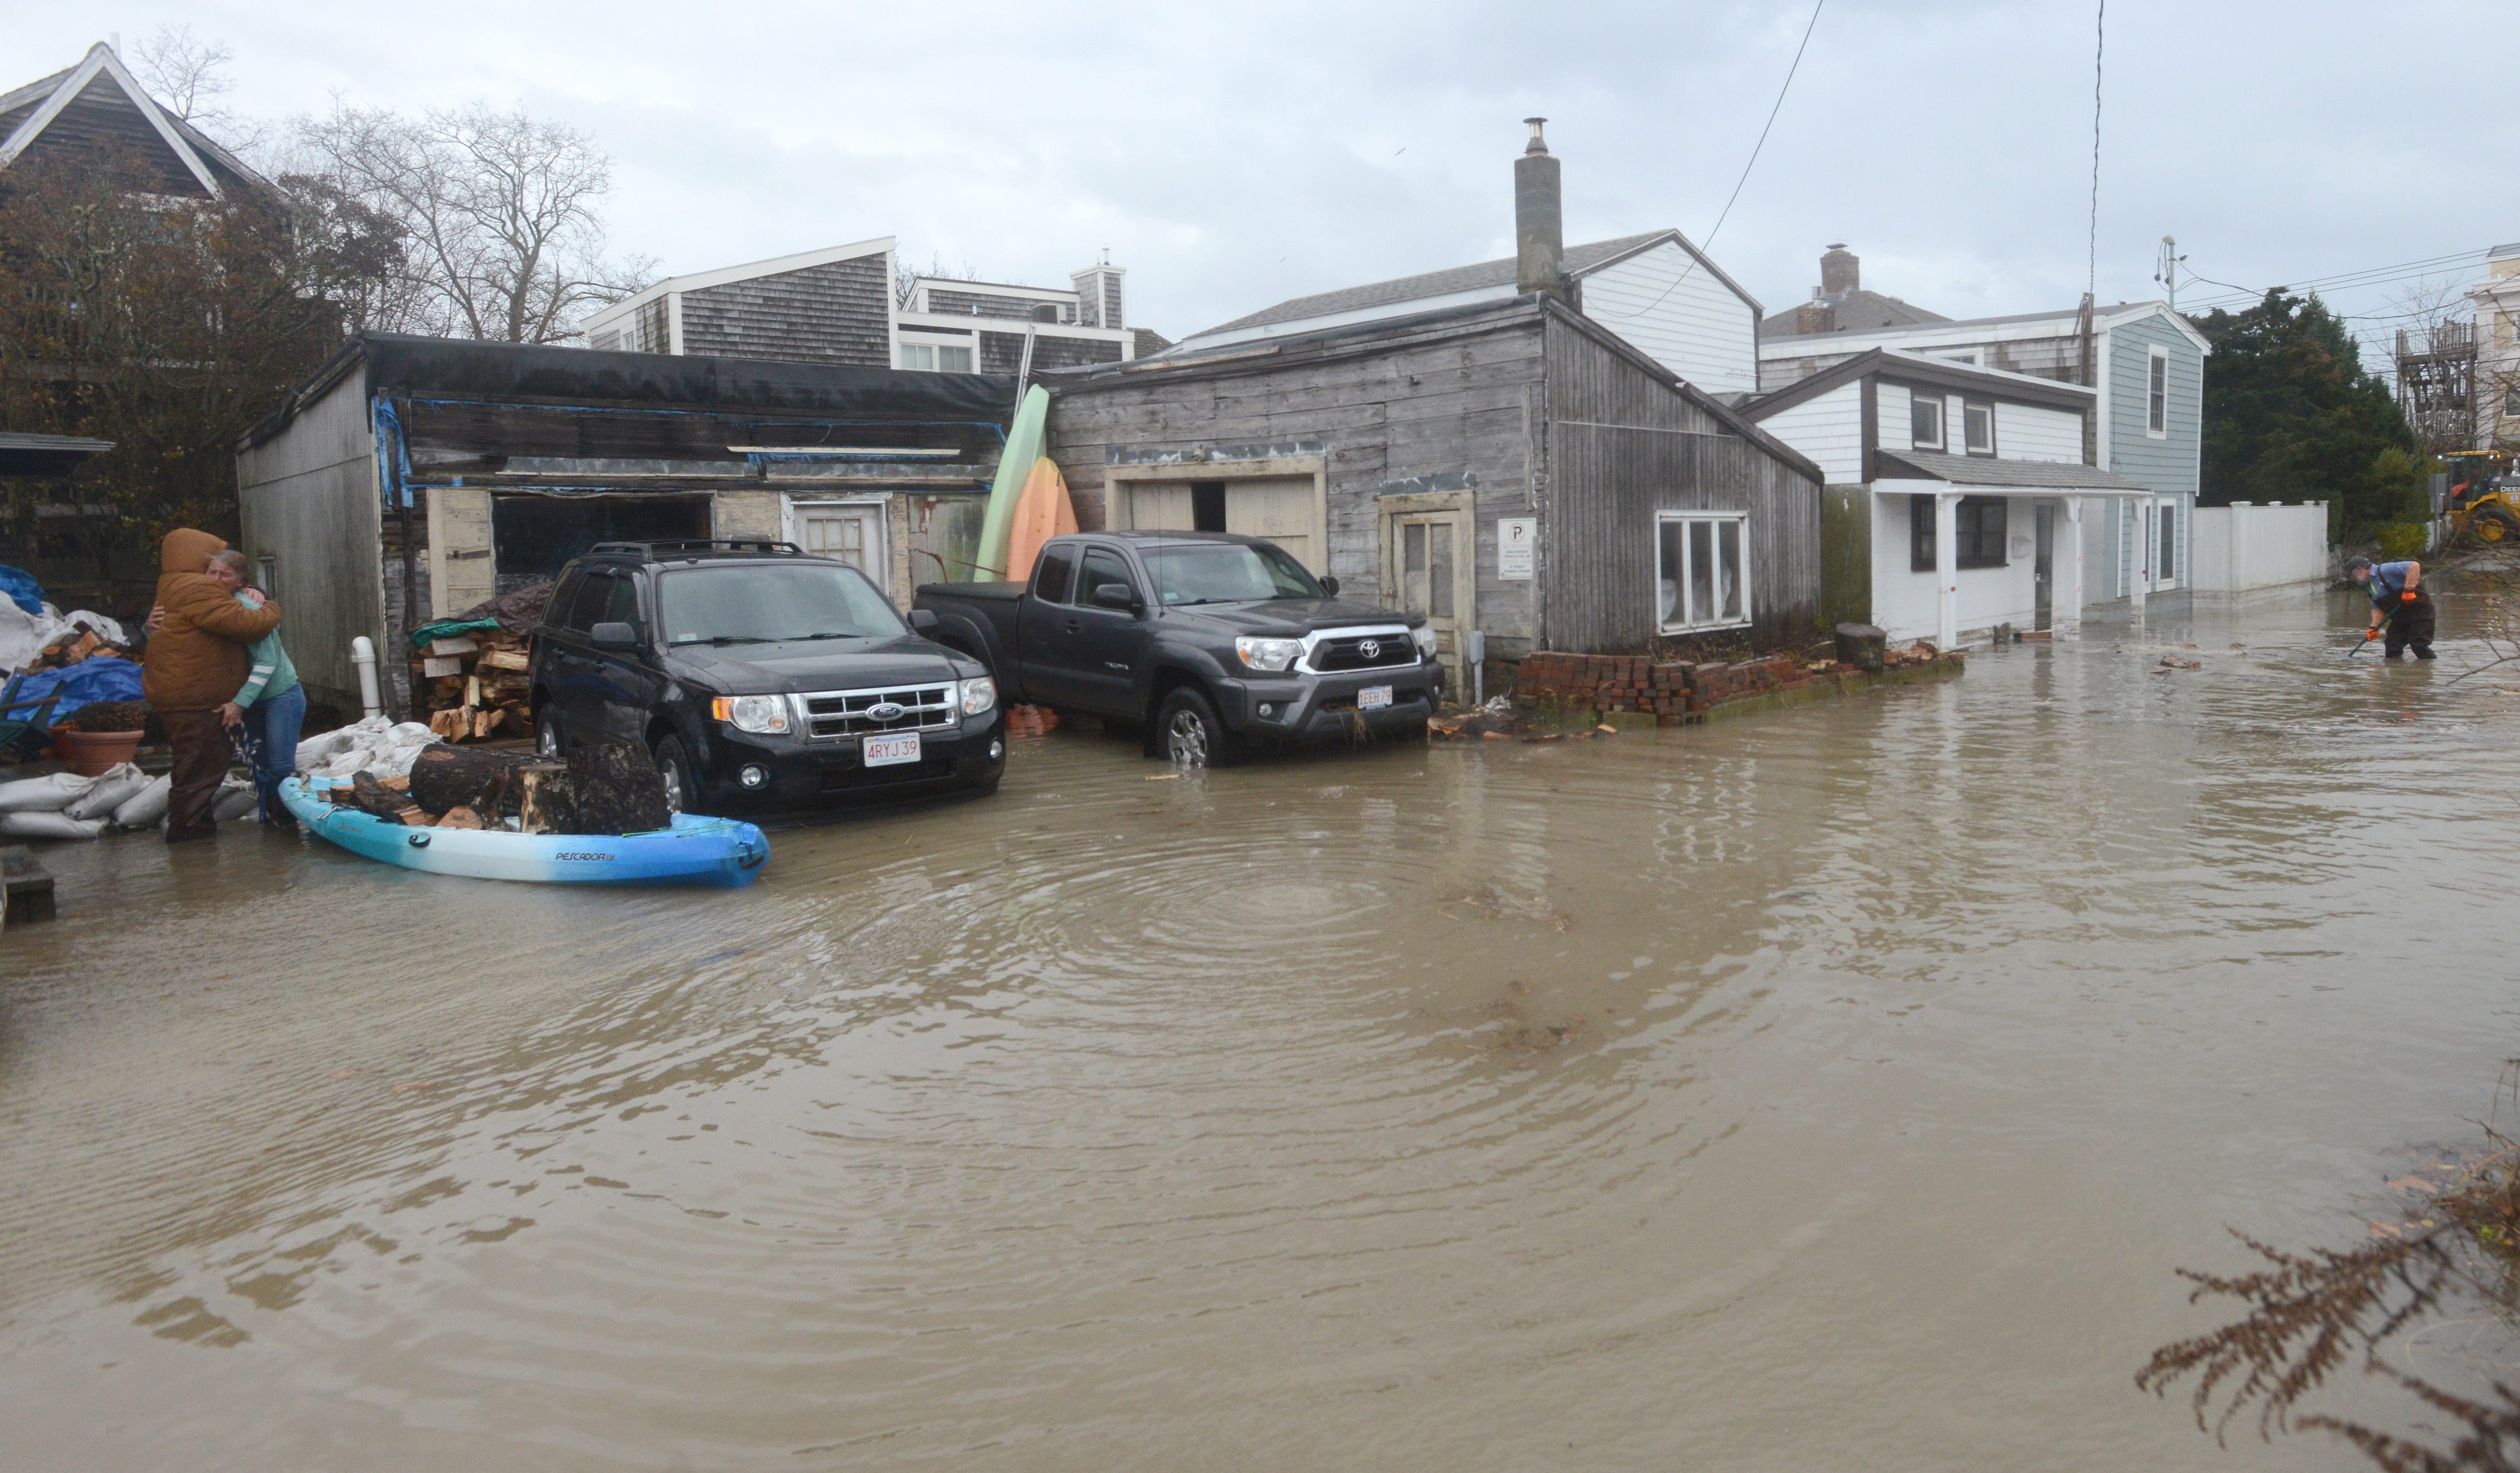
1115,596
1329,584
613,634
923,619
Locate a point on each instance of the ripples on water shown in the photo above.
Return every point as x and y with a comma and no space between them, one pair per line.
1833,1087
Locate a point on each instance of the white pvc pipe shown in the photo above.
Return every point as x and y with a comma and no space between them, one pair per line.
363,653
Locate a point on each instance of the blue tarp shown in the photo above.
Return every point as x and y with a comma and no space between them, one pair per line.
21,588
98,678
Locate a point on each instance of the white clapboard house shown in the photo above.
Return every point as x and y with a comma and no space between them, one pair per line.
1956,498
1656,291
2144,363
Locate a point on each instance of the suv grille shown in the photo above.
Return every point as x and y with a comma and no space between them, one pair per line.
1348,653
833,714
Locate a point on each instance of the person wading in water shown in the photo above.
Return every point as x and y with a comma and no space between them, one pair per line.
2398,601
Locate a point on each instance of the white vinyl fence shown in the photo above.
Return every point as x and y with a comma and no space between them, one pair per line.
2247,546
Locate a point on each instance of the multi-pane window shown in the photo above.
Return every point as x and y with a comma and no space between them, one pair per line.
2157,395
1978,422
2168,568
1925,418
1979,525
1702,562
936,358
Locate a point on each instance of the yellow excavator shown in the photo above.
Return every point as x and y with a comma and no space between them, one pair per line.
2484,496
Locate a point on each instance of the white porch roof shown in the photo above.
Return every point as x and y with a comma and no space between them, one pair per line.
1930,470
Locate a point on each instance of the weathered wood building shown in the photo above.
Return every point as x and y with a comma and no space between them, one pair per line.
413,477
1504,465
1513,469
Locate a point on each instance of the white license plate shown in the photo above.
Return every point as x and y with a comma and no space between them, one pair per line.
887,751
1374,698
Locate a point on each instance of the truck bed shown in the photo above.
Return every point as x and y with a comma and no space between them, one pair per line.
987,593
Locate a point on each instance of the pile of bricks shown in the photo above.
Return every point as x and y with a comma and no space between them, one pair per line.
1634,683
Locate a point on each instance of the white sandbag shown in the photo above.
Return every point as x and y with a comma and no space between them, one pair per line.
19,641
107,630
50,793
120,783
25,825
145,808
235,801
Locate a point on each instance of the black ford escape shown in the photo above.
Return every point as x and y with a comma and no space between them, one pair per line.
760,678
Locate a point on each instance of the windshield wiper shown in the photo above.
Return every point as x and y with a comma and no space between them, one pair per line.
834,634
728,639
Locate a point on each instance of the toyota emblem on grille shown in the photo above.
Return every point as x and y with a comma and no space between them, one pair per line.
885,710
1371,648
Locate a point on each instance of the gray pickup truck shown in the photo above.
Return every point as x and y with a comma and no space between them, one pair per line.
1206,640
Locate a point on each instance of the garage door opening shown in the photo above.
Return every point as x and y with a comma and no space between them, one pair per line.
537,535
1285,509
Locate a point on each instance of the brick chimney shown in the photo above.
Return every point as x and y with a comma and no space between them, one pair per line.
1839,271
1814,316
1539,219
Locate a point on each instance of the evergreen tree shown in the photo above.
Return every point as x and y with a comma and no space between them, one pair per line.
2292,415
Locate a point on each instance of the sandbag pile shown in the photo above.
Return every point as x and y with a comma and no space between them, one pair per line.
48,638
67,806
375,745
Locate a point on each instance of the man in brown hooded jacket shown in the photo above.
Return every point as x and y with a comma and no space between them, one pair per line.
195,661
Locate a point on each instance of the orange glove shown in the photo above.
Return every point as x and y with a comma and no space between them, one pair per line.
2371,633
2408,597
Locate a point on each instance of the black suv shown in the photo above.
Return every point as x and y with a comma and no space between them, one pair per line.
760,678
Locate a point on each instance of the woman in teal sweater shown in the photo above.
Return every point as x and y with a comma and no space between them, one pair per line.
271,706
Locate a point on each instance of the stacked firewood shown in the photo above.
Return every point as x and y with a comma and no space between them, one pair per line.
78,643
477,687
597,789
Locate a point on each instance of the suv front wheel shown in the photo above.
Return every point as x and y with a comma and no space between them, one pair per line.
675,767
547,737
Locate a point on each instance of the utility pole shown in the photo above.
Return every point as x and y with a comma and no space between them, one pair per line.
2167,271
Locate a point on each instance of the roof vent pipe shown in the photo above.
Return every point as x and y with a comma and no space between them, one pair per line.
1539,219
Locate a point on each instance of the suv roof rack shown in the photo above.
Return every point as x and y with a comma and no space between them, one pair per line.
658,551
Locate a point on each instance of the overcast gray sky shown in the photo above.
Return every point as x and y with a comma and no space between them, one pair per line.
1232,154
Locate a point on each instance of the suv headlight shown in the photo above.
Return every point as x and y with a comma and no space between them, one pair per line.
1423,636
1266,653
978,695
761,715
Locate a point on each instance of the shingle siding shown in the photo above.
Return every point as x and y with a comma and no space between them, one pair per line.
987,304
1002,352
838,312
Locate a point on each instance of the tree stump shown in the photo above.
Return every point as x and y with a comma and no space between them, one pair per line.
617,789
1861,646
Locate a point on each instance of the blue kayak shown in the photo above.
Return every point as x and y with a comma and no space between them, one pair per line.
695,851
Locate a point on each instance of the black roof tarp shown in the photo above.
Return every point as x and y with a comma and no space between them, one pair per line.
403,366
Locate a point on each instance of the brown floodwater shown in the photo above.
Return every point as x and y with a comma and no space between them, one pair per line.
1837,1087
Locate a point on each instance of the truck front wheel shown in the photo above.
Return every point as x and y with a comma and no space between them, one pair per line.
1188,731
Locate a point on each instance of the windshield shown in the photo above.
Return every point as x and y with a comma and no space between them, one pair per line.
755,604
1228,573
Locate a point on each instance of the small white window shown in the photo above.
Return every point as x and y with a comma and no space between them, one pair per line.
936,358
919,355
1978,422
2156,410
1925,417
1703,562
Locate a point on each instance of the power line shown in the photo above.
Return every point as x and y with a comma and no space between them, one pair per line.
1708,242
2368,276
2099,49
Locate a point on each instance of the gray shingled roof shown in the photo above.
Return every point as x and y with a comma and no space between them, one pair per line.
1858,311
1410,289
1988,471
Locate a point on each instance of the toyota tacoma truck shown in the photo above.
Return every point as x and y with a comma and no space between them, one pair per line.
1208,641
761,679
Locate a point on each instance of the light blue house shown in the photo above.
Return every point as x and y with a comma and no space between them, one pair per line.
2145,362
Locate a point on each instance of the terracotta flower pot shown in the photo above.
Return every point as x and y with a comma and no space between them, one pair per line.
92,753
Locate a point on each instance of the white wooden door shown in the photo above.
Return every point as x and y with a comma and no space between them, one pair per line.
1427,566
853,535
